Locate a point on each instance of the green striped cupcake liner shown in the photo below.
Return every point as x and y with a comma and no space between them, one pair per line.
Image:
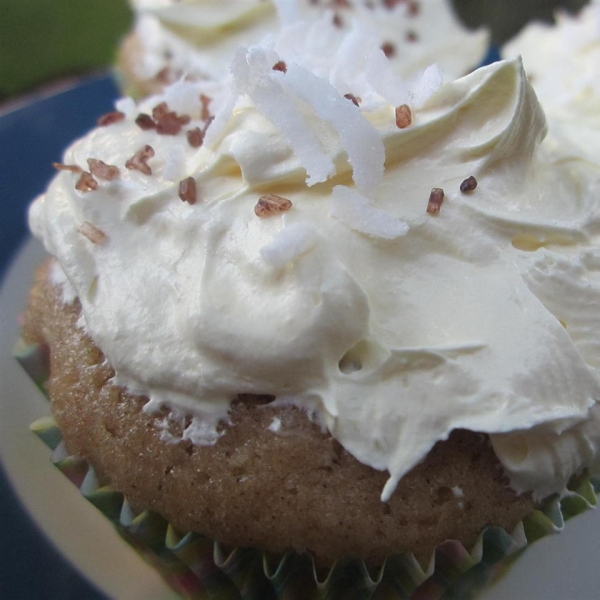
200,569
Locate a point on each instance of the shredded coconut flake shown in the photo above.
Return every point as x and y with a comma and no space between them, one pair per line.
358,137
431,81
354,211
183,97
290,243
275,425
254,76
174,164
127,106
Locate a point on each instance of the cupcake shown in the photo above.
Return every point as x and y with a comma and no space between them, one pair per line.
314,307
197,39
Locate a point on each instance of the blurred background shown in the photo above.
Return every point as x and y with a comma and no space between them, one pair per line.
42,41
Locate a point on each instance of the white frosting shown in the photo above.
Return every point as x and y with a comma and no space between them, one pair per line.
393,332
563,63
198,37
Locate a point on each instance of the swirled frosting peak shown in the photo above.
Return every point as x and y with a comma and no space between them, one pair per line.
294,247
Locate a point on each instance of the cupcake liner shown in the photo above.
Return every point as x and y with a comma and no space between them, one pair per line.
198,568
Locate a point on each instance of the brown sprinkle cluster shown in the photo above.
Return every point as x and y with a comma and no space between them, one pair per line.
435,201
62,167
280,66
411,36
86,183
164,120
187,190
337,20
92,233
403,116
468,185
168,122
271,204
110,118
139,161
103,171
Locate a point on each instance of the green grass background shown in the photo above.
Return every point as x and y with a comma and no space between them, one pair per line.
42,40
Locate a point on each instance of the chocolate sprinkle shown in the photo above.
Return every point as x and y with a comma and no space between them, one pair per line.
62,167
388,49
280,66
138,162
468,185
206,100
414,8
352,99
195,137
103,171
145,122
187,190
403,116
110,118
86,183
168,122
271,204
92,233
160,111
435,201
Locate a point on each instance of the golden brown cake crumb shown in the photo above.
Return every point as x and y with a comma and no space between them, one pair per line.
292,488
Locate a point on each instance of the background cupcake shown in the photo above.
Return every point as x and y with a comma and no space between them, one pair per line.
563,64
197,38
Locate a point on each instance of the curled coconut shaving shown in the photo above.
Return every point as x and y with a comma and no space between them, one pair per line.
355,211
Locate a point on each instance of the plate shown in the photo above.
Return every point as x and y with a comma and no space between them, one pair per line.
41,511
564,566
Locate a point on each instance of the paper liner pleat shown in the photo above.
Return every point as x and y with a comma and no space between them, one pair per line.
200,569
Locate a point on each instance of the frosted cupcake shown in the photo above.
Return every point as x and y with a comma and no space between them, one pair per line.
318,308
197,38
